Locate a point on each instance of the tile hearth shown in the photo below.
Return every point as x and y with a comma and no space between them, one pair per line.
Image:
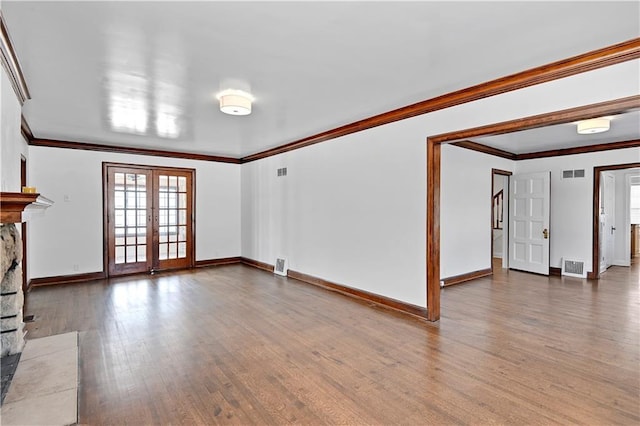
44,389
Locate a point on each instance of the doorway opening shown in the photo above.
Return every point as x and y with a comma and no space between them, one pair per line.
499,219
148,218
434,145
614,232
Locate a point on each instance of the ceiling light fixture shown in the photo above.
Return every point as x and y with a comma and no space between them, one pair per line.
235,102
595,125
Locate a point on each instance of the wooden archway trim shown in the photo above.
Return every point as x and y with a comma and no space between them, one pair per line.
434,169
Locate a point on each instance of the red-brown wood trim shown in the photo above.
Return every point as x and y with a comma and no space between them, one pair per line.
130,150
257,264
24,229
553,271
475,146
580,150
433,175
66,279
607,56
457,279
408,308
615,106
11,64
216,262
105,222
25,129
595,244
12,204
433,230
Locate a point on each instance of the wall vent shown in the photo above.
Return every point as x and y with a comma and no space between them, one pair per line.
282,172
281,267
569,174
573,268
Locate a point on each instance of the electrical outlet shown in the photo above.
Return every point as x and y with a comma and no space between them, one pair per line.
76,268
66,198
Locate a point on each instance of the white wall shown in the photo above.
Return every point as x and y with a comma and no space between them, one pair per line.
572,200
12,144
353,210
465,232
70,233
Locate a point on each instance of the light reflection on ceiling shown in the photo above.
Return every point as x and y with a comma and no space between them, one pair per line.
144,99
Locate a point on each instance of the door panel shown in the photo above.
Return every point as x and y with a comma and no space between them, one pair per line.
529,222
129,220
172,235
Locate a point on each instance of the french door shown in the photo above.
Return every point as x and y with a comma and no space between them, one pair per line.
148,218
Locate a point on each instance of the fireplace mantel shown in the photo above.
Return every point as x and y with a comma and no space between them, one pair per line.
13,205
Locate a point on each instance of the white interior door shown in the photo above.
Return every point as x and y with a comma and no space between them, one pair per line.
607,220
529,222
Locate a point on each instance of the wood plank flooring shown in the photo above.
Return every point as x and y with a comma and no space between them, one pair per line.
236,345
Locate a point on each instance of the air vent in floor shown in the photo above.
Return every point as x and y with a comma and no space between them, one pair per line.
281,267
573,268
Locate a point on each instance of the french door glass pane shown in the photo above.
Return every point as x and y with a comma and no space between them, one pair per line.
120,254
131,200
163,252
131,254
119,200
173,250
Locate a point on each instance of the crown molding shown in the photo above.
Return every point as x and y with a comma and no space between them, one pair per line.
611,55
478,147
615,106
475,146
51,143
580,150
25,129
11,64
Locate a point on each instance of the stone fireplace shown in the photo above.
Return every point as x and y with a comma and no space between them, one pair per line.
11,295
15,207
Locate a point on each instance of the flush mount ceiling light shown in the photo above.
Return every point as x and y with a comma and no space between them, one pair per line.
595,125
235,102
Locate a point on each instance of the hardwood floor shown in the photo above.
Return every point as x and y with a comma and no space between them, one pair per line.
233,344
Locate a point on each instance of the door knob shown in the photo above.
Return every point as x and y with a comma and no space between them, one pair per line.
545,232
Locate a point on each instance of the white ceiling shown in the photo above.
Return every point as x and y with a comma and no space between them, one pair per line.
624,127
312,66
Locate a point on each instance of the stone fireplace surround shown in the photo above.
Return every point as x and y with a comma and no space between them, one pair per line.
11,295
15,208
